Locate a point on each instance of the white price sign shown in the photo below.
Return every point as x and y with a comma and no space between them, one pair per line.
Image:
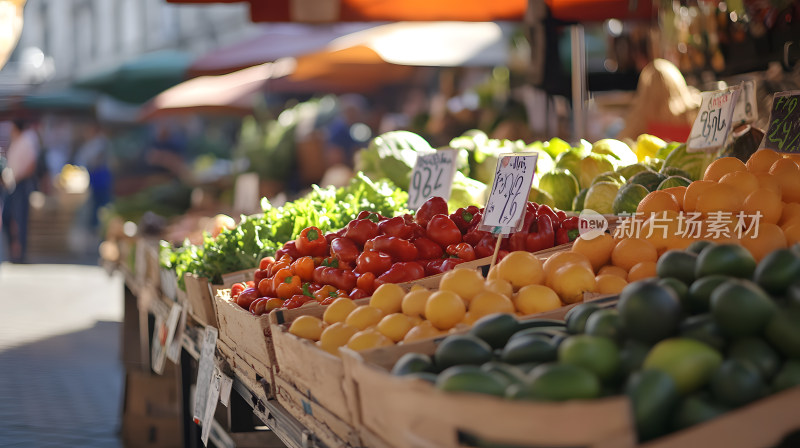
432,176
157,352
746,110
713,123
512,185
205,371
211,404
175,323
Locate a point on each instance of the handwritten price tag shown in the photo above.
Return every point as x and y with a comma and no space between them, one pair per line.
783,134
710,129
746,110
512,185
432,176
157,351
175,335
205,371
211,404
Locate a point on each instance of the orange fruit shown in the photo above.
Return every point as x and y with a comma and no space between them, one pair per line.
768,238
632,251
307,327
423,330
388,298
368,339
643,270
520,268
791,212
395,326
656,202
788,176
613,270
488,302
693,192
534,299
464,282
761,161
571,281
741,181
610,284
660,229
444,309
723,166
768,181
792,234
597,250
793,157
335,336
678,193
766,202
719,198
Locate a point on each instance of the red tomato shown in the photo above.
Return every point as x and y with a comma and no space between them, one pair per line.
247,297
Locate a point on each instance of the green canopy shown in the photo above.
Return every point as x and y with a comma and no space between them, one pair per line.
66,99
140,79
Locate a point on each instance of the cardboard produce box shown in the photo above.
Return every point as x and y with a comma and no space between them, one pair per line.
151,415
200,294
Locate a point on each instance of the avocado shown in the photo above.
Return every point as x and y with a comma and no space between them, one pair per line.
412,363
426,376
461,349
648,312
698,300
681,289
597,354
653,396
777,271
677,264
783,332
690,363
577,316
495,329
757,352
697,246
550,332
605,323
703,328
741,308
471,379
561,382
506,372
696,409
530,348
632,355
788,376
736,383
726,259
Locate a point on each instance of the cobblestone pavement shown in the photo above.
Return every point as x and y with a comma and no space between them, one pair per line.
60,372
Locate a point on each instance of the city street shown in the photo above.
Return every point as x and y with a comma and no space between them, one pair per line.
61,378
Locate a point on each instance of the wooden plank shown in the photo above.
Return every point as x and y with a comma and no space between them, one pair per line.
201,303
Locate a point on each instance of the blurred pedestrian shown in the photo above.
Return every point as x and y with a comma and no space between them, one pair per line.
347,133
19,181
93,155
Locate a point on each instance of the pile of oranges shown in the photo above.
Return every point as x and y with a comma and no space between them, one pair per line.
768,185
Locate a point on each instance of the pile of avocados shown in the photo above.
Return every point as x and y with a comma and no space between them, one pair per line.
713,332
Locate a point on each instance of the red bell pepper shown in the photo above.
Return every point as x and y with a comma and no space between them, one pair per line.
372,216
340,278
432,207
441,266
463,217
344,249
325,292
516,241
543,236
296,301
474,236
258,306
485,248
361,230
462,250
304,268
311,242
397,227
358,293
237,289
427,249
286,285
402,272
265,288
546,210
259,275
398,248
443,231
247,297
366,282
333,235
266,261
567,230
373,261
560,215
290,249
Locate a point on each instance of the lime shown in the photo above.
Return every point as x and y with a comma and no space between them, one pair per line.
648,312
696,409
783,332
653,395
506,372
736,383
756,352
632,355
677,264
461,349
412,363
495,329
690,363
604,323
703,328
777,271
597,354
788,376
531,348
470,379
726,259
741,308
697,246
680,288
577,316
561,382
698,300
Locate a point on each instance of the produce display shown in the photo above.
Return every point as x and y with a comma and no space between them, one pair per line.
714,331
373,250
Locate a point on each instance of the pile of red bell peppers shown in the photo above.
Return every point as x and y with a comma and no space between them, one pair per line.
373,249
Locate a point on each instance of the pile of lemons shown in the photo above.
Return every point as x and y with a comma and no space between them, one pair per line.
521,283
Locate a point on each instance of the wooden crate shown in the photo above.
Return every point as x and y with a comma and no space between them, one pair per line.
200,294
763,423
405,413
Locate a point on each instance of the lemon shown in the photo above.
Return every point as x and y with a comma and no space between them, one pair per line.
571,281
336,336
521,268
414,302
489,303
467,283
445,309
388,298
534,299
338,310
307,327
367,339
647,145
499,286
395,326
561,259
424,330
364,316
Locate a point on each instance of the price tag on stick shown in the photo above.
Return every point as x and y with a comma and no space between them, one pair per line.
432,176
175,334
507,201
205,371
783,134
713,123
211,404
746,110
